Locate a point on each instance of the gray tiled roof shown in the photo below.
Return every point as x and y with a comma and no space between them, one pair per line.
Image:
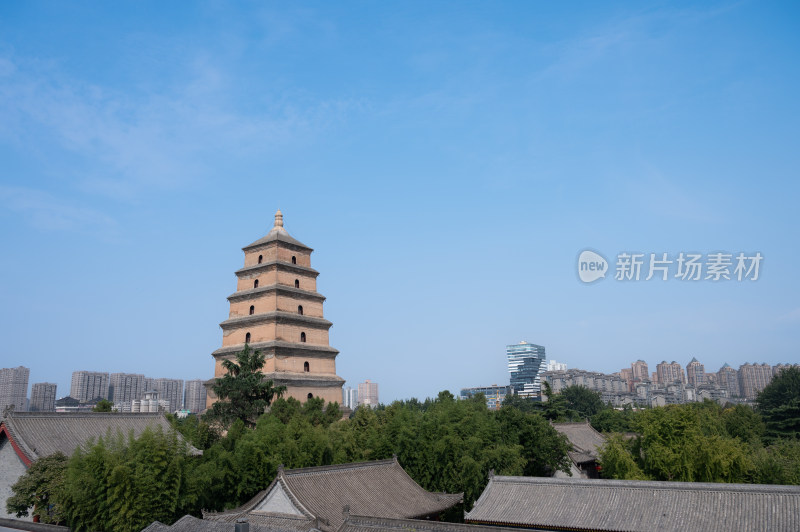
586,441
380,488
358,523
29,526
632,505
187,523
43,433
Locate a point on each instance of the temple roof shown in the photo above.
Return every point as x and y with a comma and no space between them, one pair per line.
358,523
352,523
636,505
37,434
277,234
585,441
187,523
321,494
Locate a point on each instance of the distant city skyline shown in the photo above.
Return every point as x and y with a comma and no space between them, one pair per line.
448,163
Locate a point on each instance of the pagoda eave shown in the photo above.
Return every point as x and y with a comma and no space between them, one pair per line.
248,294
275,317
319,351
279,264
304,379
274,238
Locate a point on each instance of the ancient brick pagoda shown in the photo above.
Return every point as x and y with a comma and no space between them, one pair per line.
277,310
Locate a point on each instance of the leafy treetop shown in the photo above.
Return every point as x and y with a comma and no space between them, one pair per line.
243,392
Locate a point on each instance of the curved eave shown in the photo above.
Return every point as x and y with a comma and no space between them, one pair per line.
304,379
312,350
247,294
275,317
19,446
281,265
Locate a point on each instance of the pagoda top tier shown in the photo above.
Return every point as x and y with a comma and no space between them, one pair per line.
277,234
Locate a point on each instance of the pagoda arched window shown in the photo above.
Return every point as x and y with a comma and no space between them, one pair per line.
297,283
300,309
311,396
306,367
247,338
260,258
255,283
302,337
252,309
294,259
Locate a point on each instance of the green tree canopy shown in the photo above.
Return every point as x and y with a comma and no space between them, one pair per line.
687,443
582,400
125,484
779,405
243,391
613,420
103,405
40,488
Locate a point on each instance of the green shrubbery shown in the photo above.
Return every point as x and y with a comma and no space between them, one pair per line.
705,442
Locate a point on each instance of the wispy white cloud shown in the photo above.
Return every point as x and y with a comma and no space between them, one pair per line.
793,316
128,144
572,56
50,213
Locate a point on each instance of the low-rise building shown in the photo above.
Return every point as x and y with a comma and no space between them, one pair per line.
494,394
586,443
28,436
299,499
543,503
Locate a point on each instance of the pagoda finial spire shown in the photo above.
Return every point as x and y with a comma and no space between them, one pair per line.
279,219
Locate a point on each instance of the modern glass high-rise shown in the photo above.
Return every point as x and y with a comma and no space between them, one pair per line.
525,364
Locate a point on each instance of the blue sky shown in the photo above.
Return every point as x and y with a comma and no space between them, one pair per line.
447,161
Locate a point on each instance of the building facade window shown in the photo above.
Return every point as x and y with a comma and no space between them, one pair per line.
311,396
255,283
247,338
260,258
252,310
306,367
297,283
300,309
302,337
294,260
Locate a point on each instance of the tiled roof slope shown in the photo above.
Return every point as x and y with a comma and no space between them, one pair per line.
29,526
586,441
358,523
40,434
635,505
380,488
187,523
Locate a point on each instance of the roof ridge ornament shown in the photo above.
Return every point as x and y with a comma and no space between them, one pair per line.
279,218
